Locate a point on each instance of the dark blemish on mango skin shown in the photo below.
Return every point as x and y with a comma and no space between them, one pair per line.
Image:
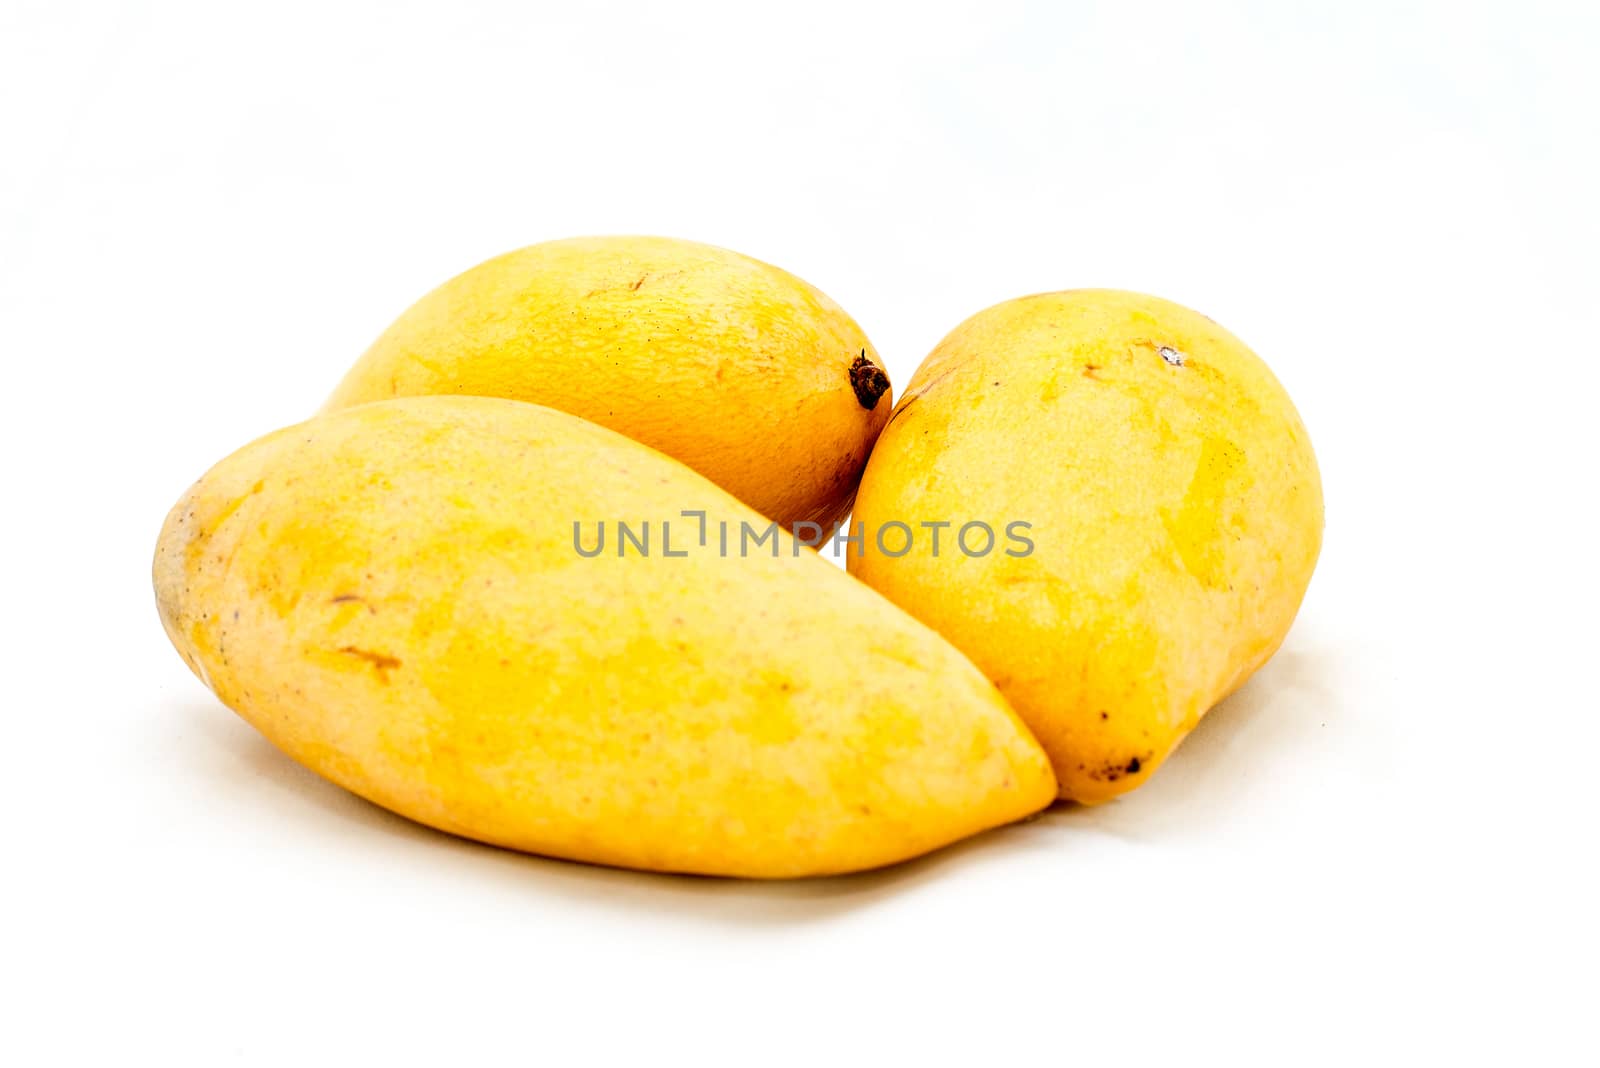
868,380
381,662
900,408
1113,772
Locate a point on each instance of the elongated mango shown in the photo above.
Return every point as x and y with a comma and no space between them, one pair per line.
412,599
1173,515
740,370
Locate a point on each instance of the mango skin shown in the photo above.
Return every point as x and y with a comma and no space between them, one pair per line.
391,594
735,367
1176,518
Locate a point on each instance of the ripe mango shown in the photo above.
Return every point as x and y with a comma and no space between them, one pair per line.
401,596
738,369
1175,510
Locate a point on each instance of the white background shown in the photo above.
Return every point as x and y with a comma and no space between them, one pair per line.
1381,849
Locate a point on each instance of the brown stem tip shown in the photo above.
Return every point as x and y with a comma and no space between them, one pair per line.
868,380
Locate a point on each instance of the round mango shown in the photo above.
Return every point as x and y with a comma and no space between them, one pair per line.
738,369
1170,517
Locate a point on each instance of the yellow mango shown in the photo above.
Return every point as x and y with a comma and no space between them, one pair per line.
1173,515
402,597
738,369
